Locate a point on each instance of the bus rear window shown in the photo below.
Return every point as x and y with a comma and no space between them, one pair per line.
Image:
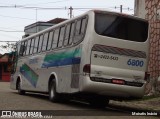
121,27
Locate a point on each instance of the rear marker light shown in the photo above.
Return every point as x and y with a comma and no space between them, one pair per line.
116,81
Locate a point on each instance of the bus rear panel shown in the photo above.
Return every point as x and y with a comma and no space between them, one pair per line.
118,61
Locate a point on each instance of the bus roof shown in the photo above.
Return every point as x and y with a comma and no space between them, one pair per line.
86,13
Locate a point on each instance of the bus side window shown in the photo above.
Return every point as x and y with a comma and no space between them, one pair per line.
71,33
18,48
67,34
61,36
32,46
40,43
25,48
28,47
50,40
36,44
22,49
55,39
44,46
80,29
77,31
83,27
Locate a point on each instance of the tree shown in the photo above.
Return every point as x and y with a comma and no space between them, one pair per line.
9,47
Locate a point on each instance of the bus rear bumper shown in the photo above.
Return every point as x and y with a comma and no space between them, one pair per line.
112,90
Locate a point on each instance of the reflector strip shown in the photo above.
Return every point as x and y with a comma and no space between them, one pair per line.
116,81
119,51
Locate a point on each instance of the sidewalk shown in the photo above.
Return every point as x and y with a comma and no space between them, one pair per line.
147,103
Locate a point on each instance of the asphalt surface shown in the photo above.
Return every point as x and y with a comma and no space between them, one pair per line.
11,100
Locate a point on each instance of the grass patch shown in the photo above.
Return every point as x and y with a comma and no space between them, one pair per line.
150,97
145,98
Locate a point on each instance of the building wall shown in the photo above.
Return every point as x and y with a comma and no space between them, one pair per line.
140,10
5,67
4,73
152,8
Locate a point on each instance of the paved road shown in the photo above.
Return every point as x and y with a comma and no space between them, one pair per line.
11,100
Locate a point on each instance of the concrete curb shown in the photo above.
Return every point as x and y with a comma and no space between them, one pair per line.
152,104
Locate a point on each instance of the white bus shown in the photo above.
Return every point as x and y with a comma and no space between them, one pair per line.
101,55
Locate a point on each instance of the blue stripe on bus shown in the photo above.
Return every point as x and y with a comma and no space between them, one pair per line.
61,62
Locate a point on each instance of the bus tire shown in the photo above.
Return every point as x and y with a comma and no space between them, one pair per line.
53,95
20,91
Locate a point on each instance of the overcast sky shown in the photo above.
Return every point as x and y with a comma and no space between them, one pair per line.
16,14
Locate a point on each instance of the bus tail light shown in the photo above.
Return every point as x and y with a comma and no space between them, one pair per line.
147,77
87,68
118,81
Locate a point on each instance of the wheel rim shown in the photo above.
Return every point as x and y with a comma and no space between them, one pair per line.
52,92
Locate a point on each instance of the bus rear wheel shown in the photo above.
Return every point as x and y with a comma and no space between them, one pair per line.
20,91
53,95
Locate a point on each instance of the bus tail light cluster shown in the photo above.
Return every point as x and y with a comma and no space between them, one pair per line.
147,77
87,68
118,81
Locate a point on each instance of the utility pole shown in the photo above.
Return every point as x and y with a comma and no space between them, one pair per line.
121,7
70,12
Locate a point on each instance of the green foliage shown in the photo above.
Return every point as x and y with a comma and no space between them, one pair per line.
9,47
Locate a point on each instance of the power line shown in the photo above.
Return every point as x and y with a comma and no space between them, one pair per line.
8,28
16,17
46,3
10,31
8,41
57,8
10,36
124,8
43,8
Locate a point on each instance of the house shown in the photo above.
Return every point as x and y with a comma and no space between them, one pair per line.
40,25
5,67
